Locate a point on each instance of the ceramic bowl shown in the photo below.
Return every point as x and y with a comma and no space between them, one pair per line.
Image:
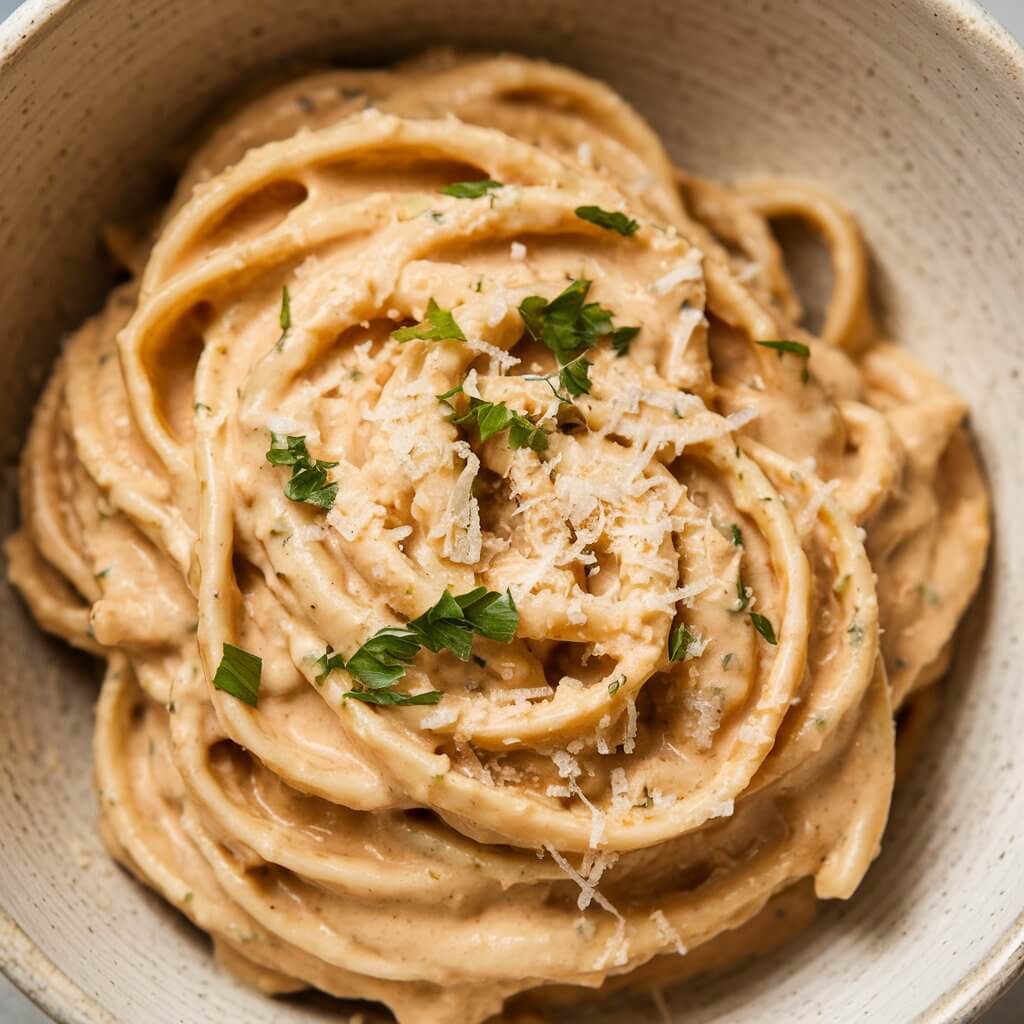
911,109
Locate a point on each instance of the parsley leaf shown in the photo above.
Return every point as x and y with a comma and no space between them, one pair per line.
569,325
491,419
575,376
327,663
471,189
737,536
492,615
440,325
308,481
680,640
382,660
619,222
763,625
622,338
239,674
796,348
450,625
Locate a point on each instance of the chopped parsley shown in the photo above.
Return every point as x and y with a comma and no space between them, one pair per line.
439,325
575,376
742,595
680,640
285,316
619,222
393,697
471,189
796,348
737,536
622,338
569,326
491,418
763,625
308,481
327,663
615,684
239,674
449,625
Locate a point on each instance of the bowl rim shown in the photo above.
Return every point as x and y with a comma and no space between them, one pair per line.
43,982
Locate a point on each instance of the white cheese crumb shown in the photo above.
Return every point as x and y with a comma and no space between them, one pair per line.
690,269
630,743
517,251
667,932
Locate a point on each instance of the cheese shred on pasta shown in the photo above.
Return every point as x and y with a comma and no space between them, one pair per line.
732,559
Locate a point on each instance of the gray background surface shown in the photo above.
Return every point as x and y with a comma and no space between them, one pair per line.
15,1009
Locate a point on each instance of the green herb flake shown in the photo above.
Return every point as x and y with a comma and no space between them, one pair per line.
727,660
439,325
327,663
308,481
574,377
615,685
393,698
737,536
621,339
742,595
284,317
569,325
491,418
680,640
796,348
763,625
200,407
610,221
239,674
450,625
471,189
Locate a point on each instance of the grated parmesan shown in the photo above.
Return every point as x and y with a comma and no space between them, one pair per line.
667,932
629,745
690,269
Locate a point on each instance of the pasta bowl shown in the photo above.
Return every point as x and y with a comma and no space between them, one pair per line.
912,112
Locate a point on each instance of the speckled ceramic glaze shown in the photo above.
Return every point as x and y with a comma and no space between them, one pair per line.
910,109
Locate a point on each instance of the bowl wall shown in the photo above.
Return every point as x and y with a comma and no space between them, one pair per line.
912,110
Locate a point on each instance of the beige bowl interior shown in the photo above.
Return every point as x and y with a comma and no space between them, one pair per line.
912,110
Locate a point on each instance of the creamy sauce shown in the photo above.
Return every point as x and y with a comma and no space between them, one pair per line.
578,811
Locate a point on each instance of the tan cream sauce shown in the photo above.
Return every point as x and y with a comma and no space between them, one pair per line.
578,811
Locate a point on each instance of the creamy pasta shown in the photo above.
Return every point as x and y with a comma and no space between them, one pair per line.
502,594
